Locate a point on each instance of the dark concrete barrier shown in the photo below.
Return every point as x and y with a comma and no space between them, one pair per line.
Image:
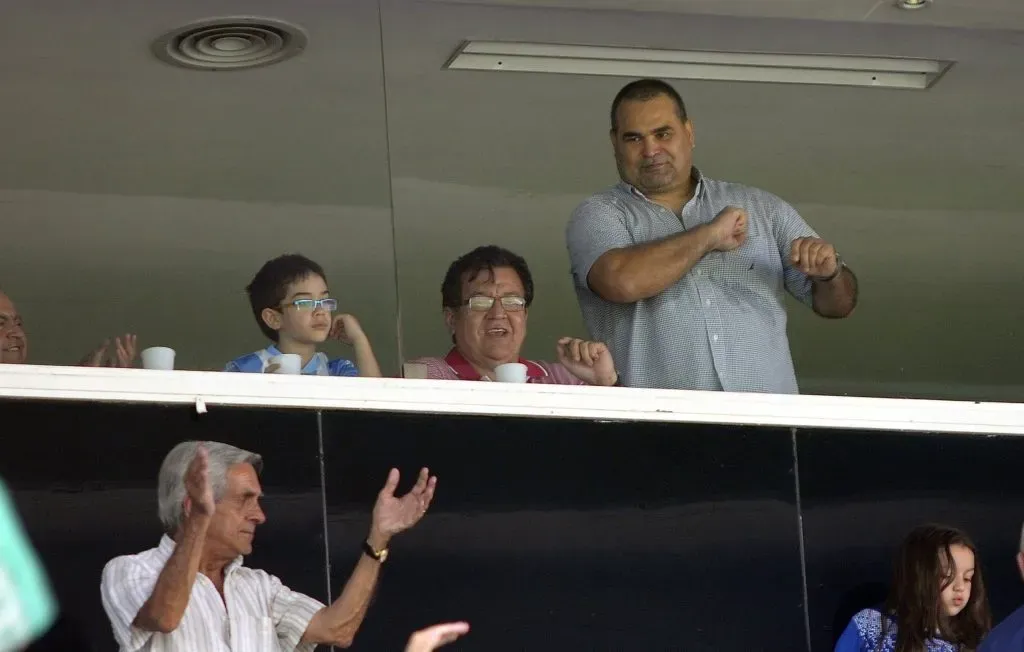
546,534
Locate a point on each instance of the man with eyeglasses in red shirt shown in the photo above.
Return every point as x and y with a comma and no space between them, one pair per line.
486,297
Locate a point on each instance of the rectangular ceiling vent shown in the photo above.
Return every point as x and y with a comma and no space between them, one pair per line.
833,70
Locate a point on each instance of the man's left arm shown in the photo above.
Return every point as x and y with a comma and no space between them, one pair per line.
812,269
338,623
834,285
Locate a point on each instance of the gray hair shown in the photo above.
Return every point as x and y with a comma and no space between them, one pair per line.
171,481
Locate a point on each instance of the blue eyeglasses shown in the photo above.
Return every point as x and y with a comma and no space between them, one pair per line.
309,305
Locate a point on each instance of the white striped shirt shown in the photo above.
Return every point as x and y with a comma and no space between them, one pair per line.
265,615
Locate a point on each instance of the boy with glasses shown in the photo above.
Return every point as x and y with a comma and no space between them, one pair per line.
294,309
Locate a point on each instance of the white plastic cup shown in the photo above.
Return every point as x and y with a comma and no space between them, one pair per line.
510,372
287,363
158,357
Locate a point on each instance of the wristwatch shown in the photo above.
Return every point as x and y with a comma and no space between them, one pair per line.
379,555
840,265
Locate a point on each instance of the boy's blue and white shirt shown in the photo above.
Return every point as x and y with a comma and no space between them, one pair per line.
318,365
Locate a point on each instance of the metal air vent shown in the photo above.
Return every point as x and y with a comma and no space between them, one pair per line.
233,43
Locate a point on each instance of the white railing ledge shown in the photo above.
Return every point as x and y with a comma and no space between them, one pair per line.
212,389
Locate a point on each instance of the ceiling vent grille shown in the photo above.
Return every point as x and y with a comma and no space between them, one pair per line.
234,43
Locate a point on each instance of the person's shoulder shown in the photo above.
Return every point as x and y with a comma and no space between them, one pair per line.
868,615
741,191
259,581
557,373
248,363
430,361
869,624
611,198
342,367
135,565
1007,635
255,576
437,368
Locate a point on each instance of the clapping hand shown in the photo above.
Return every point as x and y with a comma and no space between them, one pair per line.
392,514
431,638
125,348
198,490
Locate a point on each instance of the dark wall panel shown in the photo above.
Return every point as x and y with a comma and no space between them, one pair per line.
84,479
554,534
545,534
863,491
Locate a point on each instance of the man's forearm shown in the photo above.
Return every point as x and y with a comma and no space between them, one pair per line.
639,272
338,623
163,611
836,298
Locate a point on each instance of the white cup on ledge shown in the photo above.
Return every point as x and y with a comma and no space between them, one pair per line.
286,363
510,372
158,357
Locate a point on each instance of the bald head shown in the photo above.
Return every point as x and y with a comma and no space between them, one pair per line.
13,342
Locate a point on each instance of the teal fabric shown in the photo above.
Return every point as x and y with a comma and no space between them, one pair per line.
27,605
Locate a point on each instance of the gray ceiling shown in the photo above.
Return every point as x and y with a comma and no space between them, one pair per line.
139,196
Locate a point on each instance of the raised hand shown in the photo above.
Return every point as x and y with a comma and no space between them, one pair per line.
124,353
591,362
346,329
814,257
95,357
431,638
392,514
198,490
729,229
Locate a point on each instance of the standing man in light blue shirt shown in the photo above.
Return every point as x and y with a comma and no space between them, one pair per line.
683,276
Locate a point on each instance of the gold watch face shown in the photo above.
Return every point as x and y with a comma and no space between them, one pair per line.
382,555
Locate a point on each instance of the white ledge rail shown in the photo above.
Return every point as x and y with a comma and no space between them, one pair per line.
207,390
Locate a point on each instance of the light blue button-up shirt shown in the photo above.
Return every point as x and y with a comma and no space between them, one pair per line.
722,326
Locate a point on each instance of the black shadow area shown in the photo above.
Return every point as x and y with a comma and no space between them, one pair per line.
566,534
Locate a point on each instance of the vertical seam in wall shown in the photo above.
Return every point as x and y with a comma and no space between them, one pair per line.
391,192
800,539
323,502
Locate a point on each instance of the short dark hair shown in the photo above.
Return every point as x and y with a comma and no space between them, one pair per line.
642,90
488,258
270,285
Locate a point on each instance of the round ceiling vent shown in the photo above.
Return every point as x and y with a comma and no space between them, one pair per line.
912,4
230,43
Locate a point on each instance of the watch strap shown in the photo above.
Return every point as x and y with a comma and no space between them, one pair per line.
379,555
840,265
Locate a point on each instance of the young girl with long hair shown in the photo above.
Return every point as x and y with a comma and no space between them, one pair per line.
936,603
